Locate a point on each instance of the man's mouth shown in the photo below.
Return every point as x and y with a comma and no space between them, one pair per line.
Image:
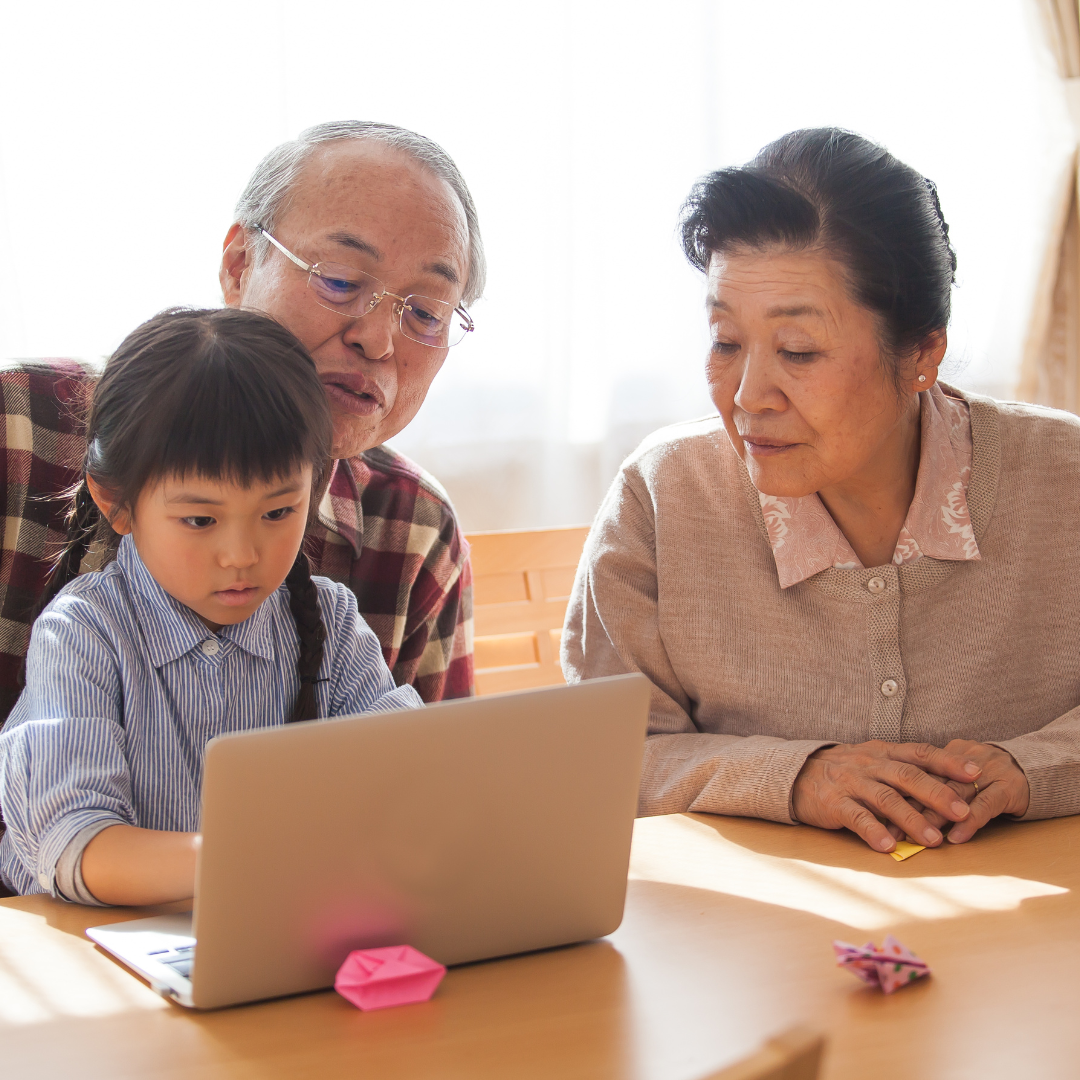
354,393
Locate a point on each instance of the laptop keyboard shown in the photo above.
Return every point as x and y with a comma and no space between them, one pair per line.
179,959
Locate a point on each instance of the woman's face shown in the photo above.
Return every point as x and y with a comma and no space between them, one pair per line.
795,369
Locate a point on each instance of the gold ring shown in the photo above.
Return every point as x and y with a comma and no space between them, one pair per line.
976,787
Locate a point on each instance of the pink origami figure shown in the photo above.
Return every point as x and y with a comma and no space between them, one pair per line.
889,967
380,978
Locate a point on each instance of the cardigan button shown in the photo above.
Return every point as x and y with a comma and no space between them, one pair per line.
889,687
876,585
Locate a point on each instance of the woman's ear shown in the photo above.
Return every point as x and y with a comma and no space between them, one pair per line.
119,520
928,359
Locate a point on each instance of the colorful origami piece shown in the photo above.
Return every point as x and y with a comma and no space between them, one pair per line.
904,850
889,967
381,978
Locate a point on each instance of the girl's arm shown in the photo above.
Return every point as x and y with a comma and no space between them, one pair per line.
64,769
127,865
359,680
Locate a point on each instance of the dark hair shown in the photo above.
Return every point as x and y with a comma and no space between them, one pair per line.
226,394
834,189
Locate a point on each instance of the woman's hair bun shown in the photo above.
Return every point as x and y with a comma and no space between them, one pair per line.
832,189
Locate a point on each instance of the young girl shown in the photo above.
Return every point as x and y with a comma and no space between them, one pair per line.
207,434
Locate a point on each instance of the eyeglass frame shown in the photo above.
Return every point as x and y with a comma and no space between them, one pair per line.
377,299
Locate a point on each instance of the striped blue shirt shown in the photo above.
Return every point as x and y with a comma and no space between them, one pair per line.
124,688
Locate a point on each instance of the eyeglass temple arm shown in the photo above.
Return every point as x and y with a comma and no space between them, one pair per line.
285,251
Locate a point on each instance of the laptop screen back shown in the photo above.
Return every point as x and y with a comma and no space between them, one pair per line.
468,829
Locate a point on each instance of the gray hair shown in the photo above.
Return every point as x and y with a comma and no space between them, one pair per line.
270,185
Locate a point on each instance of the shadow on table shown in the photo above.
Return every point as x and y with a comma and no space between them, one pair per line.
67,1010
838,877
840,847
75,918
561,1012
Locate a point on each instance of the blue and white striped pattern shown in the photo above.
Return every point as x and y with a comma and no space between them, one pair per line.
125,687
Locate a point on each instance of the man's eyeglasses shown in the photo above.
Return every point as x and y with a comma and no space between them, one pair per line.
351,292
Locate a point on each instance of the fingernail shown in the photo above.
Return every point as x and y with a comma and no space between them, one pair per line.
887,844
972,769
931,836
960,808
954,839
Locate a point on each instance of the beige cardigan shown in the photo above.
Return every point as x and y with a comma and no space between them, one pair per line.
678,581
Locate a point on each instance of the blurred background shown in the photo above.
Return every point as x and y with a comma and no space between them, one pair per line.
128,130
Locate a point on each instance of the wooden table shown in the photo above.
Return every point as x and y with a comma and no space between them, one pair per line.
726,941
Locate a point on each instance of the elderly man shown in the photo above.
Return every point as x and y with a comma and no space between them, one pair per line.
363,240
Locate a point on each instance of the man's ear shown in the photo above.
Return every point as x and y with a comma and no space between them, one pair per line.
235,260
120,520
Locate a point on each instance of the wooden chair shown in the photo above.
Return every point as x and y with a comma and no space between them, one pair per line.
792,1055
521,584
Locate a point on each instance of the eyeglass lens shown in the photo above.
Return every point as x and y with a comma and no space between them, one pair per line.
422,318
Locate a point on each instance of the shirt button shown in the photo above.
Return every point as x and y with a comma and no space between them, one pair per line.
876,585
210,647
889,687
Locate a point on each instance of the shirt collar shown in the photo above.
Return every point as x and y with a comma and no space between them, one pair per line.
340,510
939,520
171,629
805,540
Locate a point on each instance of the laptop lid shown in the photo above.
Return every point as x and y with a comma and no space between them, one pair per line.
468,829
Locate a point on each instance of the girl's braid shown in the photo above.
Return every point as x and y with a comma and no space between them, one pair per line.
83,522
304,604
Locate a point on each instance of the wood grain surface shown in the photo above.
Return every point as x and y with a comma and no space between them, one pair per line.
726,942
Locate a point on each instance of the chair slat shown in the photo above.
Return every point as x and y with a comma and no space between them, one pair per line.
521,584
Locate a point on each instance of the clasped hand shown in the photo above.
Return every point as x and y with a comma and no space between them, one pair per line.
884,791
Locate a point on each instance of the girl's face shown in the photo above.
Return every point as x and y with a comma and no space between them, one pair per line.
215,546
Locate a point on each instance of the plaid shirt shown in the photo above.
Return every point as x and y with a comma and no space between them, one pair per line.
385,529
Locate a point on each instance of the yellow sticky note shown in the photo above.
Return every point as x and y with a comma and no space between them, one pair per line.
904,850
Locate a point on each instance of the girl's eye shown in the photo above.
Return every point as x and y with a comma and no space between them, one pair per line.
280,514
198,522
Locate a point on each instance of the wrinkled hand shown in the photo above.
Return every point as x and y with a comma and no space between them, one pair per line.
860,786
1001,788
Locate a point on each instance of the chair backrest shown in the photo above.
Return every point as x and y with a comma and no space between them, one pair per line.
792,1055
521,584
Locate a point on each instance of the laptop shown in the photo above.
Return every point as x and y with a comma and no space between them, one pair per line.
469,829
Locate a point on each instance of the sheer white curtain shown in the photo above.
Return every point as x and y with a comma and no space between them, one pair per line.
127,130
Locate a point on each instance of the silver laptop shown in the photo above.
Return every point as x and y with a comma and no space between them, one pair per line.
469,829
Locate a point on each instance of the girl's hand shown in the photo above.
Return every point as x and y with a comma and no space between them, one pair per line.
126,865
862,785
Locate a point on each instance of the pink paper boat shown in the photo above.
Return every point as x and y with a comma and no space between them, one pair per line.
381,978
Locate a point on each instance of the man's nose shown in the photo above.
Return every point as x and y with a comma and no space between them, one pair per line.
758,390
373,334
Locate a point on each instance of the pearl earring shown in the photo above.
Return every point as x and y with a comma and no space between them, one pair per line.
922,378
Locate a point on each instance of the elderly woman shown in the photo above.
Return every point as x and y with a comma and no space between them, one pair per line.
856,591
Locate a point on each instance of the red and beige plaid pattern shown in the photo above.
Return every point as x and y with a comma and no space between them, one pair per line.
385,528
